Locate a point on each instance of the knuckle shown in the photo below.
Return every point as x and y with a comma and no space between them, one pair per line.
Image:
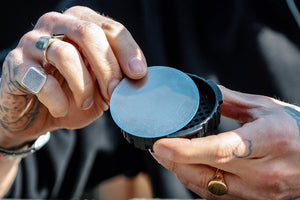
26,37
124,36
266,101
75,9
47,18
115,28
222,154
86,30
123,31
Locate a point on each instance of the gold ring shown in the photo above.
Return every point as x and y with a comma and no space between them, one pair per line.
48,42
217,185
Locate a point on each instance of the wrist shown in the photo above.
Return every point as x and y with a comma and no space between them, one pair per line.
17,147
14,144
28,148
15,141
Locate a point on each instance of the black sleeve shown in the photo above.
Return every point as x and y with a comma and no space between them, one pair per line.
75,161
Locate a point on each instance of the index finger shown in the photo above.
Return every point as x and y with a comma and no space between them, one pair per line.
127,51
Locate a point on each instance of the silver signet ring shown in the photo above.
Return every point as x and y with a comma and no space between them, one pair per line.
34,80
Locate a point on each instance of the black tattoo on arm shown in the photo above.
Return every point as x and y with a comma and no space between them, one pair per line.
243,149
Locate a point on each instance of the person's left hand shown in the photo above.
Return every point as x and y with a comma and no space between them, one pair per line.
260,160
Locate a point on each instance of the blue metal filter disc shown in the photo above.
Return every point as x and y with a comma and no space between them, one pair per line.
161,103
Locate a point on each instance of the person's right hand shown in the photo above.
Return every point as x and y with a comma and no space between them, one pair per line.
82,72
260,160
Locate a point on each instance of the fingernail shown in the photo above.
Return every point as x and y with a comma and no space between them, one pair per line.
162,151
88,103
154,155
112,86
159,159
105,106
137,67
64,114
58,115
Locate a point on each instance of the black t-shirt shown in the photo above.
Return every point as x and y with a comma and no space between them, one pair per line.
250,46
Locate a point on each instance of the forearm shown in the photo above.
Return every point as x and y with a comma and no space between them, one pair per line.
8,163
10,157
8,171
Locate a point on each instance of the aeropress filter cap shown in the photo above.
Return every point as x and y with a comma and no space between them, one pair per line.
165,103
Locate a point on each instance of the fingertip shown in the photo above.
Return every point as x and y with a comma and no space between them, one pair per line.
155,147
137,68
164,148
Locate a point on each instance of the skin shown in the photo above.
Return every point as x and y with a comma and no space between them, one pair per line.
83,70
260,160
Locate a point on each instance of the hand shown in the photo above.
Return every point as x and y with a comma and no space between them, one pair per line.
260,160
82,72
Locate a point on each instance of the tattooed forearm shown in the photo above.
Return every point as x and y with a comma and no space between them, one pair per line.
295,114
243,149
